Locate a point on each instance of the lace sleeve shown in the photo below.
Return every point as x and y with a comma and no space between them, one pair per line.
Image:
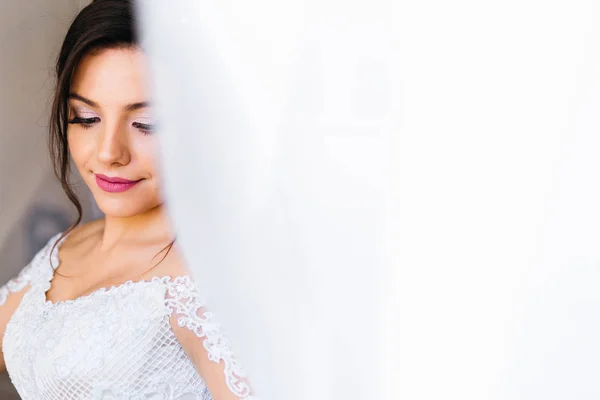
16,284
32,271
201,338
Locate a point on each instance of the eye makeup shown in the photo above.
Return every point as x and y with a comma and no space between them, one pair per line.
85,118
144,125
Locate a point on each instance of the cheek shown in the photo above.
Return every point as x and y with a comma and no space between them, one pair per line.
146,154
79,147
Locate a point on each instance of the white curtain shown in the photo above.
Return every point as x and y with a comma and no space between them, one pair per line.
276,122
276,141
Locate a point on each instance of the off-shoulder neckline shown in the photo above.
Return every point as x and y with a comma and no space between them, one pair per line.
54,259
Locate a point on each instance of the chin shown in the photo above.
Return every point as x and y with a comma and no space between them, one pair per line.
124,207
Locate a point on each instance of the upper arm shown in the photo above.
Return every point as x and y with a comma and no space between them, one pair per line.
200,336
10,298
6,311
13,291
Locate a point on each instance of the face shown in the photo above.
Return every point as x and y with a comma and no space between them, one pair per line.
110,132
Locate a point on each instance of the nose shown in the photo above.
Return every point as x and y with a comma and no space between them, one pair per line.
113,146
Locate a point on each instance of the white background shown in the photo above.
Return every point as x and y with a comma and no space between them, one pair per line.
494,109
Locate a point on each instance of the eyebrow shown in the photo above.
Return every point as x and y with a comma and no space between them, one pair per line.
129,107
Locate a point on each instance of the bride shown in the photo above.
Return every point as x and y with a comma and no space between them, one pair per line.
107,310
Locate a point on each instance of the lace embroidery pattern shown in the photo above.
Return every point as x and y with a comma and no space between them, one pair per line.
184,301
34,270
16,284
111,345
114,343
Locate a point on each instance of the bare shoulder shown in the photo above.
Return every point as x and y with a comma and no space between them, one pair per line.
169,262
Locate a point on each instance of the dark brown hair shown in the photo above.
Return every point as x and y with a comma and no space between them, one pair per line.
103,24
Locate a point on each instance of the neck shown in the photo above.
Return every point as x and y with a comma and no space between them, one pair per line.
152,225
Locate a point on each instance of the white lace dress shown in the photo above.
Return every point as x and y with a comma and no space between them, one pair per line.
115,343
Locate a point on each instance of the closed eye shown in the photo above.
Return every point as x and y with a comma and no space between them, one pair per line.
84,122
146,129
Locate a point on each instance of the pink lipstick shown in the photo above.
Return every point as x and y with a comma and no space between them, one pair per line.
114,184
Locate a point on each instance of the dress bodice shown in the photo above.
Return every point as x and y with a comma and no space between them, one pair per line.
115,343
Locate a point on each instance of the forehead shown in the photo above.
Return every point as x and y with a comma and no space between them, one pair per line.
112,77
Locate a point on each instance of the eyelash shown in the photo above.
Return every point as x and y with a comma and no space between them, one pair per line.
87,123
145,129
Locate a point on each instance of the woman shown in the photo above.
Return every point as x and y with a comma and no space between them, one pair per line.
105,310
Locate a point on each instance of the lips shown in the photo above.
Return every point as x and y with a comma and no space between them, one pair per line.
115,184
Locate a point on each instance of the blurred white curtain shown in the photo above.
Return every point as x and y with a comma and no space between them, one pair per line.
499,208
276,118
276,135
